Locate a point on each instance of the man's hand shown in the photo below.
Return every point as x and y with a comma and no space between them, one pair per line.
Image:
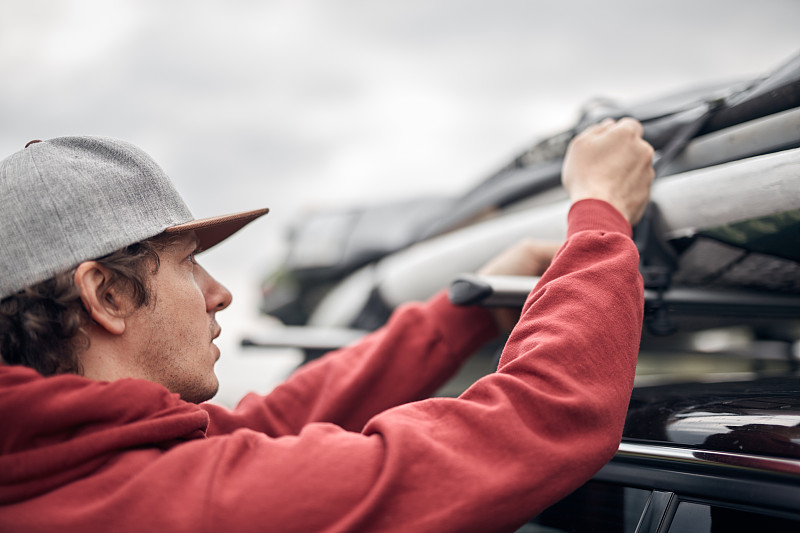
610,161
526,258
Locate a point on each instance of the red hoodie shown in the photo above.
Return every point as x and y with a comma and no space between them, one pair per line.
338,447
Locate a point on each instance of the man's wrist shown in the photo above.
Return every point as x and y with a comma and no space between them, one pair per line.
593,214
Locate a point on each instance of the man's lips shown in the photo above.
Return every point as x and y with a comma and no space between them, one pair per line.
215,329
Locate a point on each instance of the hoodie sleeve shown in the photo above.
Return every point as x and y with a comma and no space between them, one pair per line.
511,445
413,355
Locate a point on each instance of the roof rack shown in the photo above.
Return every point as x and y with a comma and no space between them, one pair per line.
511,291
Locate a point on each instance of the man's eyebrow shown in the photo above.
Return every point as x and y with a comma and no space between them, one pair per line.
193,243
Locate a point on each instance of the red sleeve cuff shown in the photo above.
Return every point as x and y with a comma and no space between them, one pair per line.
594,215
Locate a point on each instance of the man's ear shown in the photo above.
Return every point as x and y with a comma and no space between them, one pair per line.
105,303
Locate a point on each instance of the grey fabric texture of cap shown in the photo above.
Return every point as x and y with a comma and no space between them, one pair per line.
72,199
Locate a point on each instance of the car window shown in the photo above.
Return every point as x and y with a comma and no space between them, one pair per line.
701,518
597,507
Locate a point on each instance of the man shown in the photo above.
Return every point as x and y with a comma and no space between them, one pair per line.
106,333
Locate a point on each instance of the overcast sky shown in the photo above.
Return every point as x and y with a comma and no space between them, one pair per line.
293,104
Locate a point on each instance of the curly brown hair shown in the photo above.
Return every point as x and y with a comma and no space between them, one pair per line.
42,325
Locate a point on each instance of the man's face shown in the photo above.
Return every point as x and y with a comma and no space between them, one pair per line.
174,333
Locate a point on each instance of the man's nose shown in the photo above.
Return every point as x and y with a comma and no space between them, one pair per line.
216,295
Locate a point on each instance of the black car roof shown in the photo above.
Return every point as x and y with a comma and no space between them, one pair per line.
760,417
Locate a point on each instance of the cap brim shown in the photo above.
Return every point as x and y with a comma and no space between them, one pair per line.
213,230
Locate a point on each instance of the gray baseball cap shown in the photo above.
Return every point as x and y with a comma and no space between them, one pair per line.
72,199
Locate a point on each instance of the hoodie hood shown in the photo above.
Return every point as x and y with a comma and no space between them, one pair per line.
60,428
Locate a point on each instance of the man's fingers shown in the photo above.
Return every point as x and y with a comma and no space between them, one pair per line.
597,128
624,124
605,124
628,123
527,257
